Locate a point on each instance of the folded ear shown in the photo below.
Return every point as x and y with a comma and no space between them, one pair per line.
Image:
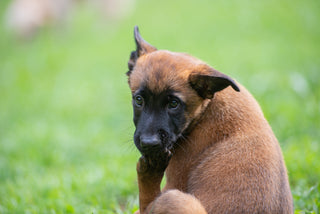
209,82
143,47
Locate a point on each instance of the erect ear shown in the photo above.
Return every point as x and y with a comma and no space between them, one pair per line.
209,82
143,47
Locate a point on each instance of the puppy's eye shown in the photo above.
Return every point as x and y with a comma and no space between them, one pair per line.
138,100
173,104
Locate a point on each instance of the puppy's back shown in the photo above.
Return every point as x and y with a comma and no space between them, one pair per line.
238,165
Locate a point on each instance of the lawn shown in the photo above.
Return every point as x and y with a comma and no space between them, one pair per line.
65,110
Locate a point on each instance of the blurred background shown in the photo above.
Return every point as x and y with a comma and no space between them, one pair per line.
65,107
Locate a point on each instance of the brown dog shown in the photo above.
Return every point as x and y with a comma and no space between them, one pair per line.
217,149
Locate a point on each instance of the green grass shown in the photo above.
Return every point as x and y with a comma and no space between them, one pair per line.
65,110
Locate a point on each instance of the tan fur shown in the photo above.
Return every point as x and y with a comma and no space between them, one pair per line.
230,162
175,201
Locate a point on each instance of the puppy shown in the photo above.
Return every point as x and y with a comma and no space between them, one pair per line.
207,134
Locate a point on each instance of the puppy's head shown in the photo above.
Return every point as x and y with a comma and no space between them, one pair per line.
169,92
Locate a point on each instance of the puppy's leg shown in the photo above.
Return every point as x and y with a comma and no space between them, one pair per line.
177,202
148,183
150,171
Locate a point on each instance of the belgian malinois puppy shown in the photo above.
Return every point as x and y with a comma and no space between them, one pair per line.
207,134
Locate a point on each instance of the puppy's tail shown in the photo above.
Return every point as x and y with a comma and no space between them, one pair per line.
177,202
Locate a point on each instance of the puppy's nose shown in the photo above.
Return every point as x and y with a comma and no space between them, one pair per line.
147,141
